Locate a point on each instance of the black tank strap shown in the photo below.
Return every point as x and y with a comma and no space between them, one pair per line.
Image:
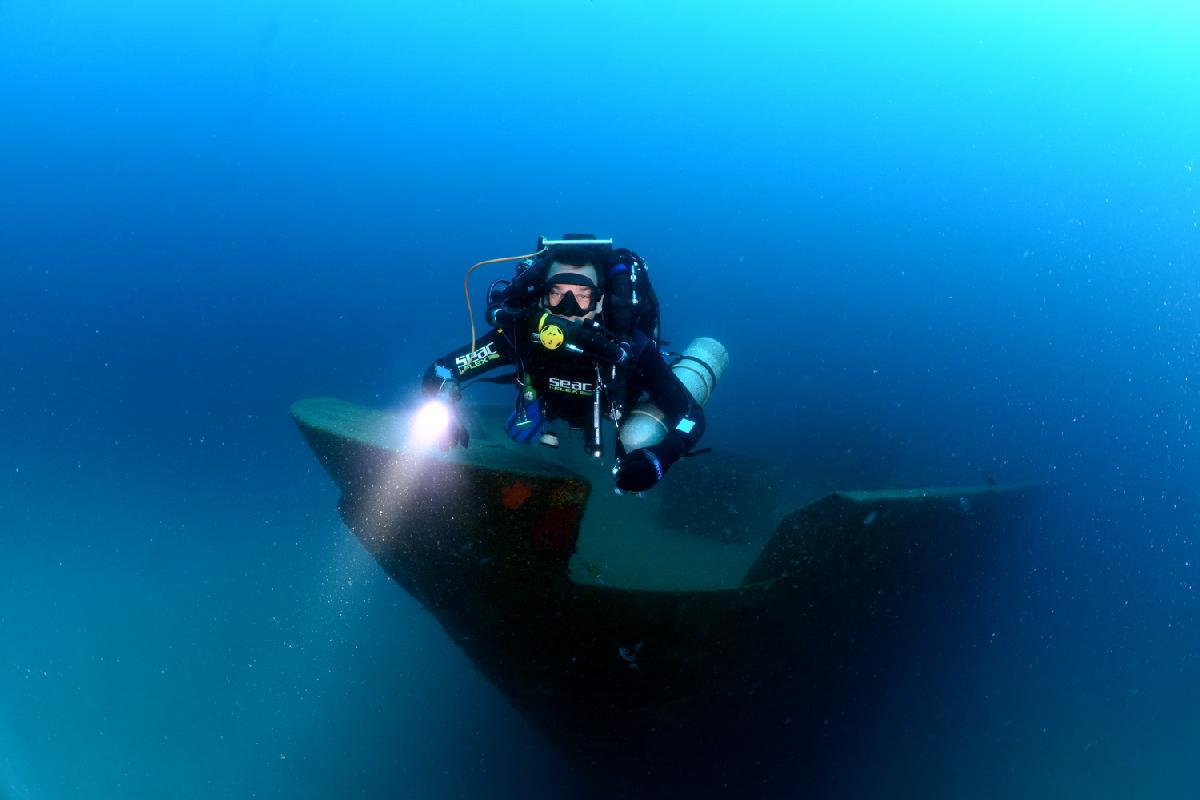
707,368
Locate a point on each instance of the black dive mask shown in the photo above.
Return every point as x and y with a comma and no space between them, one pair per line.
568,305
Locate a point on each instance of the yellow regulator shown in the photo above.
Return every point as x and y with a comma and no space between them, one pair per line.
551,336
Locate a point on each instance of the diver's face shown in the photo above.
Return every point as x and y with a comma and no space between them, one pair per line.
559,291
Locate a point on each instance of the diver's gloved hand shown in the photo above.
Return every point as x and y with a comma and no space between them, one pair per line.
642,469
439,380
456,434
441,391
526,423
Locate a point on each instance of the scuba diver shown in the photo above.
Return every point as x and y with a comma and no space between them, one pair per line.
579,322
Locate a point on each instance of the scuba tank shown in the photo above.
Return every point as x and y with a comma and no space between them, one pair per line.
699,368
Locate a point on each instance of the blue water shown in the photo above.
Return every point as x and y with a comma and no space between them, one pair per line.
939,240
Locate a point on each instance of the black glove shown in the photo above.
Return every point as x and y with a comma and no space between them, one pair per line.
456,434
439,384
642,469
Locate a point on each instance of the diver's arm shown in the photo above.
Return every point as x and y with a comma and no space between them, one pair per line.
683,417
459,366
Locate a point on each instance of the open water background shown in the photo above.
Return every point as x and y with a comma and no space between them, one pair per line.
938,239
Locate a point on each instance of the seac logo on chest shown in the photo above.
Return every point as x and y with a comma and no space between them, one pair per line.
570,387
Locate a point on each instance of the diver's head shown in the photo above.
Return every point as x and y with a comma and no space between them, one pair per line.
572,294
572,285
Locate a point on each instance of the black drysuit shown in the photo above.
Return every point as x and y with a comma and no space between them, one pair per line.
565,383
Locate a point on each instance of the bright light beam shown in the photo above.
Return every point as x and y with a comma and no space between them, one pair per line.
430,424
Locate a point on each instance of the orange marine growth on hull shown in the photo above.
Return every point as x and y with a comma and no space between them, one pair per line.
514,496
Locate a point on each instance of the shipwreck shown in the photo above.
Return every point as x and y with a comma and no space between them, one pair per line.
653,653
